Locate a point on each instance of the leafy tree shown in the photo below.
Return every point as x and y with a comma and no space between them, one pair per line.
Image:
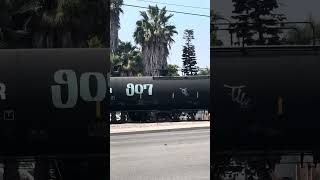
189,55
189,60
256,22
205,71
155,35
303,34
173,70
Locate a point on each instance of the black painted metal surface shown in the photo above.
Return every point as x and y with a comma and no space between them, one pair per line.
159,93
48,100
266,98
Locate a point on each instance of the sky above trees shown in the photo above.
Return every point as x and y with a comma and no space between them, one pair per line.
200,25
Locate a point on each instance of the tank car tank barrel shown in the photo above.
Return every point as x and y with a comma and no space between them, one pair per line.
159,93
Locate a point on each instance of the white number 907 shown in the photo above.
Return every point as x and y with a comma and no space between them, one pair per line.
133,89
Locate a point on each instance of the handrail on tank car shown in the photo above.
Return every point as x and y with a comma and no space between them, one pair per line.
216,25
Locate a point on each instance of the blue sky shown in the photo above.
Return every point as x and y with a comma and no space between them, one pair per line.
200,25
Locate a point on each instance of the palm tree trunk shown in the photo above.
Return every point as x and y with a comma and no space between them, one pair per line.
49,40
154,58
38,40
113,35
66,40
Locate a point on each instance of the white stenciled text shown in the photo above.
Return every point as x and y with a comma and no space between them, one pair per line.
69,79
133,89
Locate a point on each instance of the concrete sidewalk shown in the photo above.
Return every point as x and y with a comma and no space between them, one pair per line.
136,128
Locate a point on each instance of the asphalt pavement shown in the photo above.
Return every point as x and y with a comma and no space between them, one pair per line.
174,155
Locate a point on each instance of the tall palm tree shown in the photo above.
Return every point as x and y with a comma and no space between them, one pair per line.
155,35
115,10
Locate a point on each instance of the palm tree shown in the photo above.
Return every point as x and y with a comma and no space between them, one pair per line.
131,59
127,60
66,23
51,23
15,19
115,11
154,35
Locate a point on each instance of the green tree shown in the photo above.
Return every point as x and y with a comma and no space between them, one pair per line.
60,23
95,42
127,60
155,35
256,22
173,70
303,34
115,11
204,71
189,54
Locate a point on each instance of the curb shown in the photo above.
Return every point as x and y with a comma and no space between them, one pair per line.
158,130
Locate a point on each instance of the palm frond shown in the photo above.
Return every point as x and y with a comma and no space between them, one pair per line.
32,5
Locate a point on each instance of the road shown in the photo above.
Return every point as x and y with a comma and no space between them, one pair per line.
175,155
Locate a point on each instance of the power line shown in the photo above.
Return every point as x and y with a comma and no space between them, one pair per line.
195,7
178,12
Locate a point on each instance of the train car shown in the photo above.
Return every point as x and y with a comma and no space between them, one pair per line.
266,98
49,98
159,93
